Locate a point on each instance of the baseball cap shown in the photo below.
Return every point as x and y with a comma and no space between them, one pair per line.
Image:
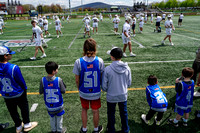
116,52
5,50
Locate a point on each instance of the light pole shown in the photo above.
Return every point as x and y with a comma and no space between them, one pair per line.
70,7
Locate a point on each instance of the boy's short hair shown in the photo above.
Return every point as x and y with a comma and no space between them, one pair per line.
116,53
89,48
152,80
187,72
51,66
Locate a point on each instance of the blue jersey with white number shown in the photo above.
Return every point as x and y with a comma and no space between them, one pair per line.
90,77
156,98
185,99
10,88
52,95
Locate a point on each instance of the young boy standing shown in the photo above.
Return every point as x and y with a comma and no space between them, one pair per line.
88,70
58,26
87,26
53,87
115,81
184,97
38,36
156,100
169,27
14,91
116,21
180,20
133,24
95,24
45,23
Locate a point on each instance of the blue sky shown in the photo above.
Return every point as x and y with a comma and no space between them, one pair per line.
75,3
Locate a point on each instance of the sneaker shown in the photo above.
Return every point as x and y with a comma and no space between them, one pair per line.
29,128
184,123
171,44
196,94
63,130
45,36
19,129
100,129
163,42
49,34
143,117
132,55
33,58
43,56
124,54
157,122
134,35
171,121
57,36
4,125
81,130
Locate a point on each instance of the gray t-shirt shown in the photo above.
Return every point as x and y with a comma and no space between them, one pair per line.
61,84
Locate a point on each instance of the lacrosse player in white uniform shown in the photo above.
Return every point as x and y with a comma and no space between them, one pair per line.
151,17
1,26
126,36
38,37
87,26
145,18
68,17
110,16
40,20
63,18
141,23
169,27
163,16
116,21
58,26
180,20
133,24
158,20
45,23
95,23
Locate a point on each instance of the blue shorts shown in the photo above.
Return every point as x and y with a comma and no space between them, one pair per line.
181,111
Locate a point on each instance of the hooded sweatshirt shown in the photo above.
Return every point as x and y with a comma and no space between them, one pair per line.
115,81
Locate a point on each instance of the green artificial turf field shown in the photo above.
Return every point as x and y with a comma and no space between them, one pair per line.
166,62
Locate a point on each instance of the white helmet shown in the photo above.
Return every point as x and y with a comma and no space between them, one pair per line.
169,16
128,18
116,15
86,14
56,17
34,20
95,15
40,16
44,17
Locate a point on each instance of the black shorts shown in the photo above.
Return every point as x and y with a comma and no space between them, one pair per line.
133,27
163,18
157,23
180,20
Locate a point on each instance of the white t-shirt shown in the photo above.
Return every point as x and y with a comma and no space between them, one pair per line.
116,20
37,33
145,16
164,15
158,19
181,16
101,17
141,19
133,21
45,22
169,23
151,15
87,22
57,22
95,20
127,29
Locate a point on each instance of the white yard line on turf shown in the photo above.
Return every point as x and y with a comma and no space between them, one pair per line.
144,62
140,45
75,37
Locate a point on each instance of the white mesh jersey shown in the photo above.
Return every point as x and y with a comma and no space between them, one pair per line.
37,33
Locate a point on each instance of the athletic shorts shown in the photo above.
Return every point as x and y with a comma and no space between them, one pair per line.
0,27
58,28
163,18
41,25
95,25
87,28
181,111
38,43
125,39
133,27
180,20
141,24
116,26
46,27
145,19
152,19
168,31
157,23
94,104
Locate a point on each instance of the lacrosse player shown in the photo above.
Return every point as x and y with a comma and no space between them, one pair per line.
45,23
87,26
158,20
145,18
1,27
68,17
116,21
180,20
163,16
141,23
110,16
38,36
58,26
151,17
95,23
133,24
40,20
126,37
169,27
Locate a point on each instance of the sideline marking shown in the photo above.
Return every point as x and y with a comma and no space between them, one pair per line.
75,37
144,62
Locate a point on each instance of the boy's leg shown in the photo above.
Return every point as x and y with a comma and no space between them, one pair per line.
23,105
170,38
96,118
12,108
84,117
150,114
129,46
111,117
41,48
159,116
36,51
124,49
124,116
53,123
57,32
166,37
59,123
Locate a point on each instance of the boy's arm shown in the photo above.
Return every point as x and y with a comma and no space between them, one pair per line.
105,81
77,78
19,78
148,97
62,86
178,86
129,77
41,90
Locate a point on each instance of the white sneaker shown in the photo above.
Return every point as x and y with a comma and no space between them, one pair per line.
124,54
43,56
163,42
57,36
171,44
45,36
157,122
143,117
134,35
196,94
132,55
33,58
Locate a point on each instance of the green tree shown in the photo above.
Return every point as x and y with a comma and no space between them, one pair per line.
161,4
54,8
